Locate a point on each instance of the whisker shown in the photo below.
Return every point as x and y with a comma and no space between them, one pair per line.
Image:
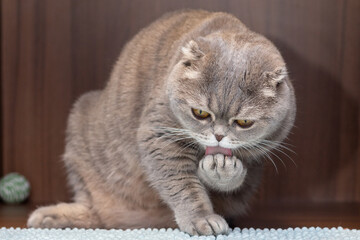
250,151
280,144
272,153
170,141
270,158
179,151
278,148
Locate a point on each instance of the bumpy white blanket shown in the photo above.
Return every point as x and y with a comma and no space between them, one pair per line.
174,234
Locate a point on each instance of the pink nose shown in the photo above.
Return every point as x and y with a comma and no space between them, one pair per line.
219,137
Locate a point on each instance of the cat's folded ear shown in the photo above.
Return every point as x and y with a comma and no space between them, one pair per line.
277,76
191,51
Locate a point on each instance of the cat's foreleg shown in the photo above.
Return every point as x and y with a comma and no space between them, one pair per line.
173,174
221,173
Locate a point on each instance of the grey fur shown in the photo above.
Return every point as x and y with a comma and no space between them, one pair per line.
133,149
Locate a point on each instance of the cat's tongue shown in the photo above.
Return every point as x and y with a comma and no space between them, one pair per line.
215,150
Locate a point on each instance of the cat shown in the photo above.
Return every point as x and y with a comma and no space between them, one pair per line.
176,137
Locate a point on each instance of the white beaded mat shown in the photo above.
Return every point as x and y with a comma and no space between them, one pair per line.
174,234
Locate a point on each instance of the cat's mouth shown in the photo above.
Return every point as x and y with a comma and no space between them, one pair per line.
217,149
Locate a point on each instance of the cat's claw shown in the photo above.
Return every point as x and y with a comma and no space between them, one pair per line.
223,173
212,224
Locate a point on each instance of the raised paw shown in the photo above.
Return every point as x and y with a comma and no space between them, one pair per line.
223,173
212,224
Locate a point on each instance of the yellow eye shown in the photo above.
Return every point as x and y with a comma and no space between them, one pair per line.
245,123
200,114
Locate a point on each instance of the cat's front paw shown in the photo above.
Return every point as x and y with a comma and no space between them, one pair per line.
223,173
212,224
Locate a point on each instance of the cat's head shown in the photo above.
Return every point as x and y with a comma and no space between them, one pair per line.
232,92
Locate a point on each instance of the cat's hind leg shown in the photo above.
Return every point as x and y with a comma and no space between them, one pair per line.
63,215
78,214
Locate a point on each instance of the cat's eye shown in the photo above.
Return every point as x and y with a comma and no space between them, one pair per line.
243,123
200,114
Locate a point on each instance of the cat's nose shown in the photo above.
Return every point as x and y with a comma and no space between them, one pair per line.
219,137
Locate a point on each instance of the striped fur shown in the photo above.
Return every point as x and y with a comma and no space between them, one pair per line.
133,149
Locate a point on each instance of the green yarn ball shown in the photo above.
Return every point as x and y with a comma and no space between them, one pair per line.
14,188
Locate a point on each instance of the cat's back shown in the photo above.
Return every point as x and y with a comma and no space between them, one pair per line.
80,116
175,25
151,52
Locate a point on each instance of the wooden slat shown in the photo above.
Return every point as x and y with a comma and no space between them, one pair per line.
349,177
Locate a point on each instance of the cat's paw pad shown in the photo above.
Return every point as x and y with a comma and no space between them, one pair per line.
212,224
228,166
207,167
220,167
220,172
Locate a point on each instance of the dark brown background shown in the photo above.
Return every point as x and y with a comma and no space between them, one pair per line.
53,51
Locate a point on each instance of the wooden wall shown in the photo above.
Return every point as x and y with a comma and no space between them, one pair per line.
53,51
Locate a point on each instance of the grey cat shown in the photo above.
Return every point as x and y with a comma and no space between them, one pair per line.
176,137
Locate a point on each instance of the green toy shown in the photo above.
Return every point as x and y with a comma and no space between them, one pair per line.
14,188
